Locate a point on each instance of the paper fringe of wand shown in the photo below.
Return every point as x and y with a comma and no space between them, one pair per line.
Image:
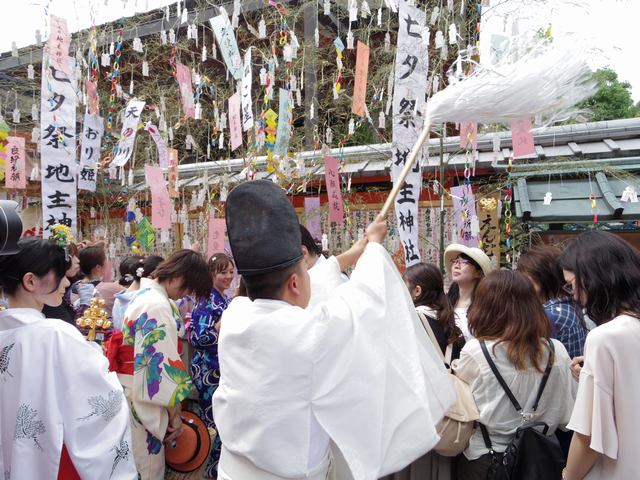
548,80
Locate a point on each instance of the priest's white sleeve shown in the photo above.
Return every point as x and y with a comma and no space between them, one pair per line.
95,414
325,277
378,387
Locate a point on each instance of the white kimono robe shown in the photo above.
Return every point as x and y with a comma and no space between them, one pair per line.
55,388
354,369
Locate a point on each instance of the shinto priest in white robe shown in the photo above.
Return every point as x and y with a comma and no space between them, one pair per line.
352,377
55,389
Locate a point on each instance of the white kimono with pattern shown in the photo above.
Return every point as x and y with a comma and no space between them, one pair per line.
55,389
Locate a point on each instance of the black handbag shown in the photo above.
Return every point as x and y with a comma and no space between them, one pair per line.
531,454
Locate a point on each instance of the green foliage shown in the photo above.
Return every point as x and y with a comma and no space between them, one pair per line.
613,98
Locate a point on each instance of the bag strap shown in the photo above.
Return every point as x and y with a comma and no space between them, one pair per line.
486,438
424,319
448,354
547,372
501,381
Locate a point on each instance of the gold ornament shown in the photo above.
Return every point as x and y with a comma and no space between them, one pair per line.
95,317
488,204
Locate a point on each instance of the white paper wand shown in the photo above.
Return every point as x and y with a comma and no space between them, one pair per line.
549,79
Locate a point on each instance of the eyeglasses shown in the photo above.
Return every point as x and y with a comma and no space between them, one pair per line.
460,261
568,288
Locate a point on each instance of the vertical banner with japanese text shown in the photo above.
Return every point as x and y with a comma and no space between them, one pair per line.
58,148
90,152
15,175
412,61
228,45
172,173
360,83
124,150
284,124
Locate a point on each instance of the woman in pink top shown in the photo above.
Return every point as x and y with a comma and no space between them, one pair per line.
603,272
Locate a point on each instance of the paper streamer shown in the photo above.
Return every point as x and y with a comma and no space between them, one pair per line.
464,207
332,179
228,45
522,138
360,84
124,150
215,235
160,201
247,112
312,212
235,126
58,148
15,174
90,152
161,145
183,76
284,124
172,156
469,135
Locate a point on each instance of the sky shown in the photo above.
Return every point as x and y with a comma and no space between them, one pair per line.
609,25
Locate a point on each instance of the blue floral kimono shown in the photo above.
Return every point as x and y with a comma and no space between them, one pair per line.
205,370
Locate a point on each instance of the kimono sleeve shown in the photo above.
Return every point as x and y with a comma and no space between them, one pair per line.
593,412
95,415
160,377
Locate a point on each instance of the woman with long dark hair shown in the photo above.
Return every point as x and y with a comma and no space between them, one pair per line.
205,327
63,414
603,272
466,267
508,319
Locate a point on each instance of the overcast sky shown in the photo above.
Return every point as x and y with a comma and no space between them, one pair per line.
607,24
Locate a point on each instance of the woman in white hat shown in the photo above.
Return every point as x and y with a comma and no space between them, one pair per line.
466,267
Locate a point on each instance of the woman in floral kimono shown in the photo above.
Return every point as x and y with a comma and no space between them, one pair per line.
155,378
62,414
205,325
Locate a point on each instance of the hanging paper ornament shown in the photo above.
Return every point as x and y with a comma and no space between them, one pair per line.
127,228
434,15
194,33
350,40
214,51
328,136
236,13
189,142
92,212
294,44
112,48
198,111
172,36
316,37
299,99
16,115
287,54
30,72
547,198
131,87
35,174
439,39
145,68
189,32
379,17
221,141
14,49
34,112
38,37
105,60
170,134
353,11
381,120
312,110
203,56
365,11
262,28
453,34
163,37
145,233
325,242
137,45
35,135
327,7
352,127
387,42
130,178
185,16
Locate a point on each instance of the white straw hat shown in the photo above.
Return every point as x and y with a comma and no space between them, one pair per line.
477,255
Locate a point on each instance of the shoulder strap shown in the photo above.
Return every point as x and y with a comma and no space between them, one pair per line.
501,381
424,319
546,374
448,354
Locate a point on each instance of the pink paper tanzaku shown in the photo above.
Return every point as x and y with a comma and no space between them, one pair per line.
93,102
522,138
235,125
312,211
332,178
215,236
464,211
14,167
160,201
469,135
183,76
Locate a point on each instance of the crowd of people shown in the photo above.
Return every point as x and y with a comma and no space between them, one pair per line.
303,372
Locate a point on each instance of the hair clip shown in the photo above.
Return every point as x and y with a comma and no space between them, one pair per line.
128,277
139,272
